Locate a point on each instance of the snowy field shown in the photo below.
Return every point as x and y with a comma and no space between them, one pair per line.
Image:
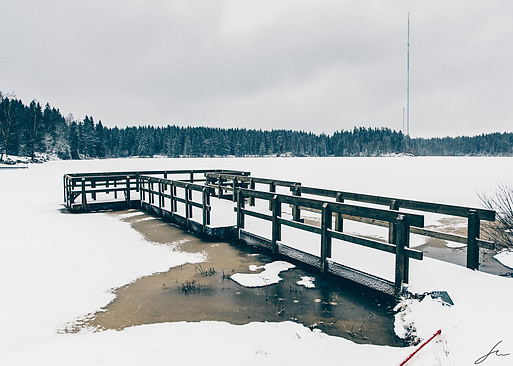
56,268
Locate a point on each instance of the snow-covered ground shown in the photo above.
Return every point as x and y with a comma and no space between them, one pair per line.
57,267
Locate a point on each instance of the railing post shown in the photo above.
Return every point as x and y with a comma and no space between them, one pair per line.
473,234
296,210
205,208
65,187
84,198
151,194
272,189
190,205
137,182
240,207
115,186
220,187
187,206
325,236
172,202
252,187
191,176
392,226
160,194
142,191
276,226
339,220
234,186
93,185
401,260
128,191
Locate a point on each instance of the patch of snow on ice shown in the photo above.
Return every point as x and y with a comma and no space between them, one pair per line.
454,245
306,281
268,276
505,258
130,214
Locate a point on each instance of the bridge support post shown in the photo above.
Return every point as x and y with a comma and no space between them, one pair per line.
325,236
401,260
240,207
84,198
252,187
272,189
219,187
276,229
473,232
339,221
296,210
234,187
172,198
205,207
127,196
392,226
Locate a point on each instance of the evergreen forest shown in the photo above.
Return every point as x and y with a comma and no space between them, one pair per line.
28,130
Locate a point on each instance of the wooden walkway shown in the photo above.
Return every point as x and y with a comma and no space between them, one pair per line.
175,195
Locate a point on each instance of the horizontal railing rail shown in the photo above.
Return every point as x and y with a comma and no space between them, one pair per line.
472,214
328,209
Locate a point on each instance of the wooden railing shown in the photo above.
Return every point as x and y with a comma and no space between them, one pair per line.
87,186
473,215
402,221
154,191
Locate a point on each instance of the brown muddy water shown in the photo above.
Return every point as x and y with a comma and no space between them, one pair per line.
438,249
197,292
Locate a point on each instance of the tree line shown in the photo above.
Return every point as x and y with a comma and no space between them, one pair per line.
26,130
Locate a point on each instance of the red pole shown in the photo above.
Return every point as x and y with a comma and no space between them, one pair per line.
421,346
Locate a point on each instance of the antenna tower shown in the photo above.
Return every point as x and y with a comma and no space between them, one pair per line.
408,83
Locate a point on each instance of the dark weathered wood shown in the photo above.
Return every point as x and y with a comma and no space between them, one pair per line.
300,225
402,233
339,220
246,178
272,190
392,226
220,188
161,198
368,212
258,215
325,236
234,187
296,210
252,187
472,235
127,194
240,211
205,207
276,227
84,198
385,247
483,214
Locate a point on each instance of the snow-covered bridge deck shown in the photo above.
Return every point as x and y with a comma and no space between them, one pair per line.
233,206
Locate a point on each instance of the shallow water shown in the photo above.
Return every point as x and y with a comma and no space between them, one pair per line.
196,292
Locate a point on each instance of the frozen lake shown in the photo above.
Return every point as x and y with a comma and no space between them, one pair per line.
57,267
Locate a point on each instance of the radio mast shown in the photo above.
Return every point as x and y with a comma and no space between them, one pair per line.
408,82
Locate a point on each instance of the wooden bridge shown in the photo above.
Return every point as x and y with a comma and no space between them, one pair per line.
193,199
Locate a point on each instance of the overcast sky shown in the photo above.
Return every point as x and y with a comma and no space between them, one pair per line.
317,65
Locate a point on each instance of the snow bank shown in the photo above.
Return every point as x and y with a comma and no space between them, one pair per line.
505,257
